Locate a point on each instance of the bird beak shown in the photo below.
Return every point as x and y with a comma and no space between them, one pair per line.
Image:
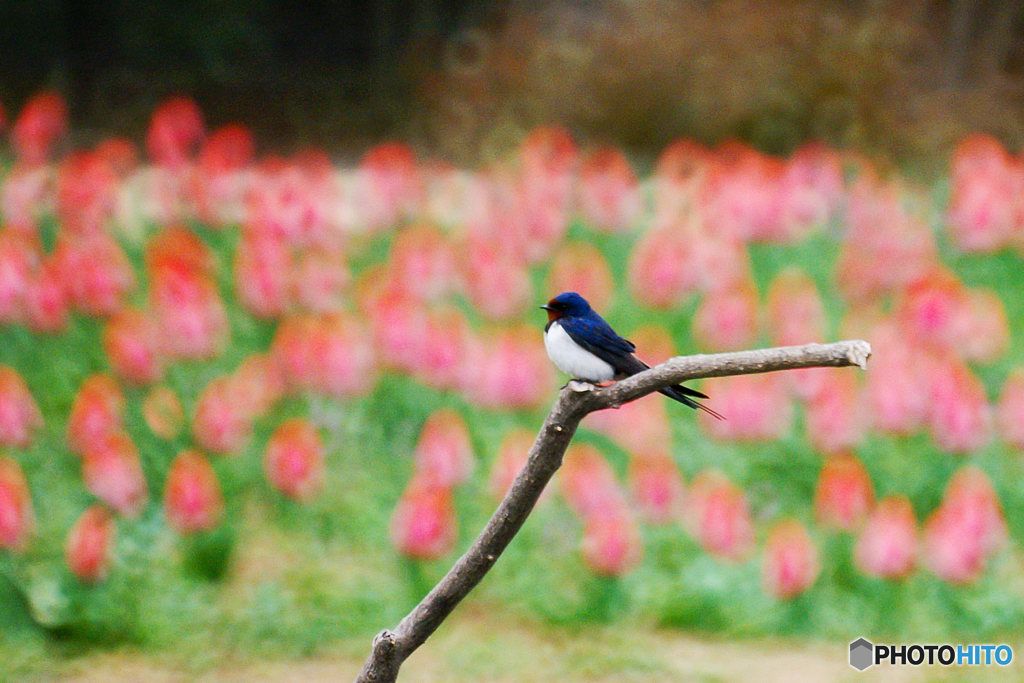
546,307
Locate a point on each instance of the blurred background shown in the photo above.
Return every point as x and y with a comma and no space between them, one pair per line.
271,352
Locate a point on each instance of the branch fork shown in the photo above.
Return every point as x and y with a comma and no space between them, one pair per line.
575,401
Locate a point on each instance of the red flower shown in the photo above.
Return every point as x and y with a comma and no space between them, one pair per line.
727,319
43,119
15,506
887,544
294,460
86,192
46,300
844,495
89,543
835,418
263,274
113,473
791,564
131,342
192,498
174,131
19,414
95,412
19,256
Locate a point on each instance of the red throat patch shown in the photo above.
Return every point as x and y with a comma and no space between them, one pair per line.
553,315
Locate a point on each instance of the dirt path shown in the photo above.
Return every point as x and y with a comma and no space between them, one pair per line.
477,648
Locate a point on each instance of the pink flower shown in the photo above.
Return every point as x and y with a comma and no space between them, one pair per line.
844,495
190,315
444,452
544,190
835,418
655,486
325,354
221,177
580,267
741,194
509,369
961,418
984,206
46,300
441,360
608,195
966,529
192,497
886,245
398,322
811,189
16,517
221,423
727,320
611,543
897,379
19,256
113,473
1010,412
663,270
794,310
95,412
755,407
932,308
588,484
319,279
86,191
496,279
791,563
263,273
393,186
132,346
87,550
424,262
294,460
24,196
716,514
174,132
887,544
42,120
97,274
423,524
983,334
19,413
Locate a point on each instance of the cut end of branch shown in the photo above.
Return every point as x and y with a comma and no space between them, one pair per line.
859,353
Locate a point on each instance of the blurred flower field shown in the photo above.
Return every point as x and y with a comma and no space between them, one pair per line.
263,402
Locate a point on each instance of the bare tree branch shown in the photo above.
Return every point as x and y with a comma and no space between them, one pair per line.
576,400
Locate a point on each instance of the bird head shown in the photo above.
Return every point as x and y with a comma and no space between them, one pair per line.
566,304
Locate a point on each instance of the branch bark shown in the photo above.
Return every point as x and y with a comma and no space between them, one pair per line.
575,401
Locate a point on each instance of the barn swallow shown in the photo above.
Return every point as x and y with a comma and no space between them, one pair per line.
582,345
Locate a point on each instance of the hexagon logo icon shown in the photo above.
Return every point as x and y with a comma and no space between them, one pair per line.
861,654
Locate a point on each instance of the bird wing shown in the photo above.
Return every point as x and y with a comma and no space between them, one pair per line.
597,336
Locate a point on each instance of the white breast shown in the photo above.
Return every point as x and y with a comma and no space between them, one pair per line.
573,359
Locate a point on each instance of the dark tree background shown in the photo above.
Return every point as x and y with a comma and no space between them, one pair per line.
345,74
